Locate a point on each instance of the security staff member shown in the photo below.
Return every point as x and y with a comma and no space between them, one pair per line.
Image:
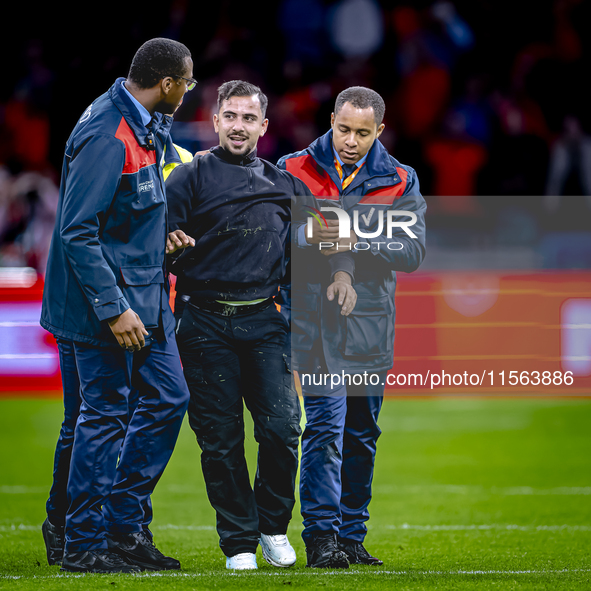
57,502
351,169
106,292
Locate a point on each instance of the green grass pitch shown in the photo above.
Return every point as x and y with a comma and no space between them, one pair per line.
468,493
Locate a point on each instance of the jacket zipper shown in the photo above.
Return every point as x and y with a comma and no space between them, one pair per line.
250,179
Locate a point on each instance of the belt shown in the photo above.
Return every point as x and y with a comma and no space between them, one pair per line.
225,309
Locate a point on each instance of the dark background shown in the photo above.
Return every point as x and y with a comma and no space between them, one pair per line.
487,100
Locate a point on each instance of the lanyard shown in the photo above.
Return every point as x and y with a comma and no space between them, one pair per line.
345,183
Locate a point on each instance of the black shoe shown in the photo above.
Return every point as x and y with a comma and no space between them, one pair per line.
322,552
96,561
357,554
138,548
55,539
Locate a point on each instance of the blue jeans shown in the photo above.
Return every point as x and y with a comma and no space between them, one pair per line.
119,455
338,454
57,503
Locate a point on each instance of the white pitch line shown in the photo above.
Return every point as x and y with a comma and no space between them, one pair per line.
409,489
22,490
475,489
22,527
492,526
184,527
334,573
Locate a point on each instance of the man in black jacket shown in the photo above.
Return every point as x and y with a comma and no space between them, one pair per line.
232,338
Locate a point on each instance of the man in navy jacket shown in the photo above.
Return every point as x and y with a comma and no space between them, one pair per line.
106,292
352,171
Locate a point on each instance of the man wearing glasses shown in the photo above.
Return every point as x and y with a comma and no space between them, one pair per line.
106,294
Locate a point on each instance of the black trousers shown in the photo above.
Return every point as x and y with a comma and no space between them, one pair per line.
230,361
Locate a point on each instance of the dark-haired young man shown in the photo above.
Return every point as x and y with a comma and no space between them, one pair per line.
351,169
107,296
231,336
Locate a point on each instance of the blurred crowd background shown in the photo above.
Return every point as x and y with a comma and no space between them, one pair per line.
489,100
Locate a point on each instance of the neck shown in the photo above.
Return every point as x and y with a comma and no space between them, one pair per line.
144,96
237,158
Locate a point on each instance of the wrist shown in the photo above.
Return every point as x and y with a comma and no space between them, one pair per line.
342,276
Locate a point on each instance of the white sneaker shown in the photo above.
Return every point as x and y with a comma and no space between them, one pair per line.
277,550
244,561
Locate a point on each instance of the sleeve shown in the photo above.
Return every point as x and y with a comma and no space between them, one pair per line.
301,235
179,196
173,156
281,163
401,247
88,196
342,261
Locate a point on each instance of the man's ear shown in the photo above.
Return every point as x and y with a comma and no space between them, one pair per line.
216,126
380,129
332,120
265,125
166,84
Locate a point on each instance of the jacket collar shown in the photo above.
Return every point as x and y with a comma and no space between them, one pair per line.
160,123
377,163
227,156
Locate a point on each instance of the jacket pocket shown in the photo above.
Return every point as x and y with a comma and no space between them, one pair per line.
142,275
369,330
143,290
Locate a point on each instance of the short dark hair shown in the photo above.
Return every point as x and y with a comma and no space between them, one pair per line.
362,98
240,88
156,59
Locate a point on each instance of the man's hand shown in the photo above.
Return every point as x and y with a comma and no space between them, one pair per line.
343,290
129,330
177,240
342,243
321,233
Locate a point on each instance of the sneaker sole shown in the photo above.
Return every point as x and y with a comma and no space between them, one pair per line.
64,569
344,563
375,563
147,566
273,563
133,561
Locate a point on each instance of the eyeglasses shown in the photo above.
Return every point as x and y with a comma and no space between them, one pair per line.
190,82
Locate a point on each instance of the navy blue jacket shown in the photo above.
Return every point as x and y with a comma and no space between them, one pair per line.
108,246
364,340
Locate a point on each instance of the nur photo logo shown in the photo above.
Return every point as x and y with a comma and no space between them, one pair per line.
387,221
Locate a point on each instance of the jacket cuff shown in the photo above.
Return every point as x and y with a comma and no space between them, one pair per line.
109,303
342,261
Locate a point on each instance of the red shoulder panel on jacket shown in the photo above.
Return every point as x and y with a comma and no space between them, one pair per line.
307,170
136,157
387,195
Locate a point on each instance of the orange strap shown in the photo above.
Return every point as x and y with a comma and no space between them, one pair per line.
345,183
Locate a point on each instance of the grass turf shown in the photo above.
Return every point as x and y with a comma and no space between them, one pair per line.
486,493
